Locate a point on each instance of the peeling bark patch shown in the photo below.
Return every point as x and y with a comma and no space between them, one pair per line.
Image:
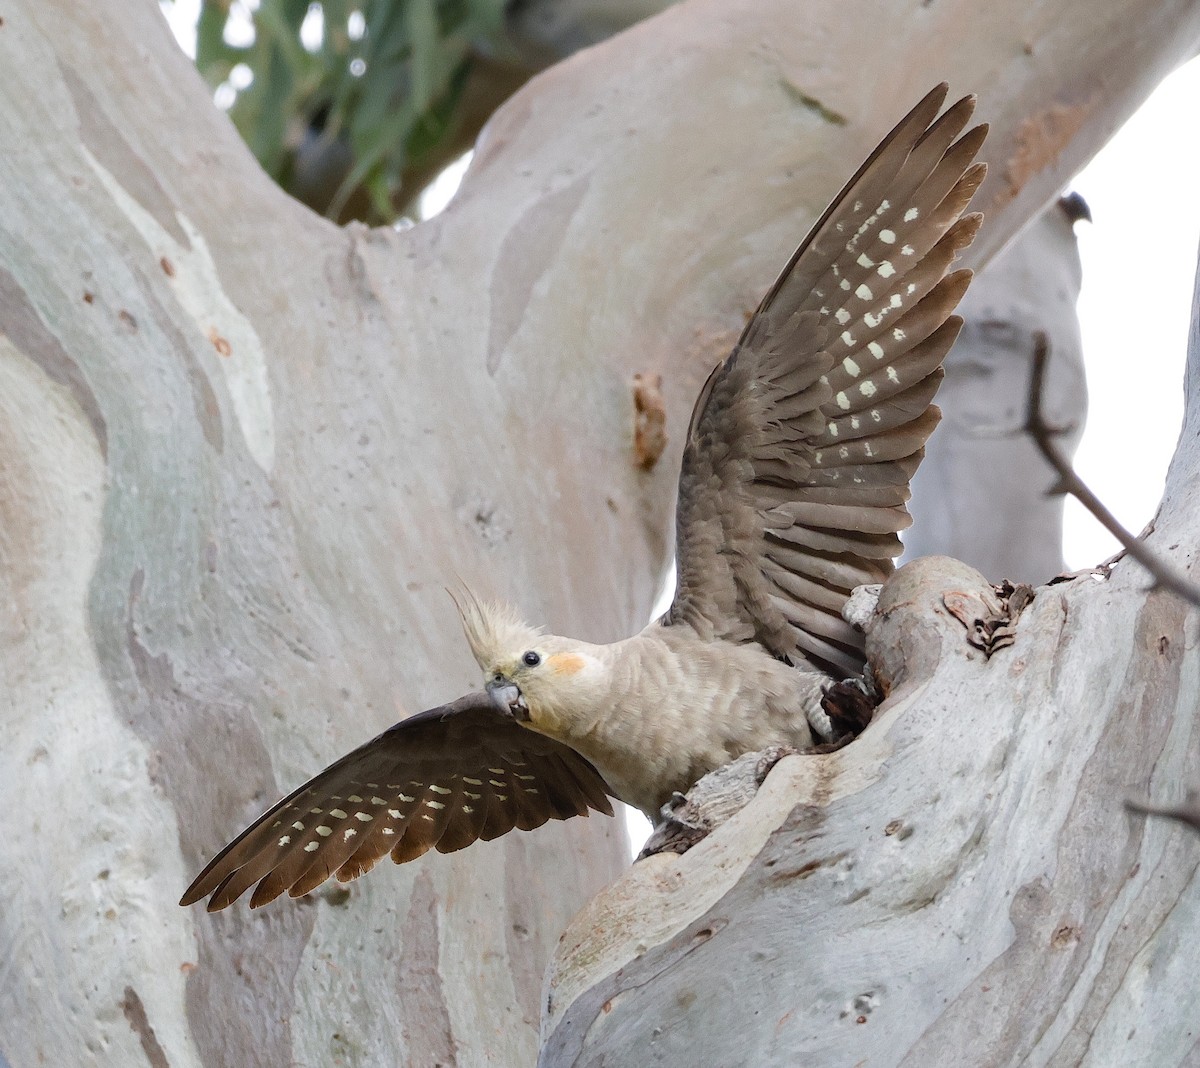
1005,982
1064,936
135,1013
106,143
990,622
20,321
424,1020
525,255
219,343
1040,140
650,420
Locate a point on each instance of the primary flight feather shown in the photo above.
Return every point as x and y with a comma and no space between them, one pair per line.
792,492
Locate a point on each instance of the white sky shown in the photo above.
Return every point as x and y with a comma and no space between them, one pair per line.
1139,261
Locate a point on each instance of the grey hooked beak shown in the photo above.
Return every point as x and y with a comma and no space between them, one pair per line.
507,698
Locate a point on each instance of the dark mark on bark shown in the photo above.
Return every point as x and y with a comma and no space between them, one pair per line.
1064,936
20,320
337,897
783,874
135,1013
826,114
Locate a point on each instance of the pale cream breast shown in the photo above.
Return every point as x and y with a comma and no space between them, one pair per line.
678,707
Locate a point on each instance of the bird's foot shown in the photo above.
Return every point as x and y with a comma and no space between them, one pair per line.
677,829
715,798
848,706
821,724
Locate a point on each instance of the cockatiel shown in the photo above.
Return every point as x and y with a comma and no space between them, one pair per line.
795,474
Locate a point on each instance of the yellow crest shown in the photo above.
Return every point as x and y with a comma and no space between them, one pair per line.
496,634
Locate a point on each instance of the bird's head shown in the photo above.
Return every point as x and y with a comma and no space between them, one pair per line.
541,680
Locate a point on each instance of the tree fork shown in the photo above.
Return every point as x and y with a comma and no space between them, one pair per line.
235,475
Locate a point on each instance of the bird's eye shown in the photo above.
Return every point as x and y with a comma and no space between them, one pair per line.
531,659
497,677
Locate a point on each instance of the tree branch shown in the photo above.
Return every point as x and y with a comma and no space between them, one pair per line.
1188,812
1043,434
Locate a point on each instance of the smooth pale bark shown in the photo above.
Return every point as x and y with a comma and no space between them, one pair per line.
981,493
242,451
546,31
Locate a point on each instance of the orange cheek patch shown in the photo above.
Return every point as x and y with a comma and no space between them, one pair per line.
566,663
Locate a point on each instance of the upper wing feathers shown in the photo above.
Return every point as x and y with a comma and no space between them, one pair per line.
440,779
802,443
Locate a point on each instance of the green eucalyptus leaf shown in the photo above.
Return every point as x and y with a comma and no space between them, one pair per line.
415,58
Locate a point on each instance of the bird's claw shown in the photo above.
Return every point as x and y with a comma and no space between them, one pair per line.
848,706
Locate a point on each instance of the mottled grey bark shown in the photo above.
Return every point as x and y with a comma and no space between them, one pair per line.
242,451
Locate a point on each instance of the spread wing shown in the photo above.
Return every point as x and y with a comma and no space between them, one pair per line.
440,779
802,443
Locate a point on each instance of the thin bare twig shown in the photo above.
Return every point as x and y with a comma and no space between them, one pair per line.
1043,435
1188,812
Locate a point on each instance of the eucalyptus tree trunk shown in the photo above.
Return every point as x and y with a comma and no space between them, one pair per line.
242,451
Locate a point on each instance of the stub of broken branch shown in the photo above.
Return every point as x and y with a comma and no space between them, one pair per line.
925,591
